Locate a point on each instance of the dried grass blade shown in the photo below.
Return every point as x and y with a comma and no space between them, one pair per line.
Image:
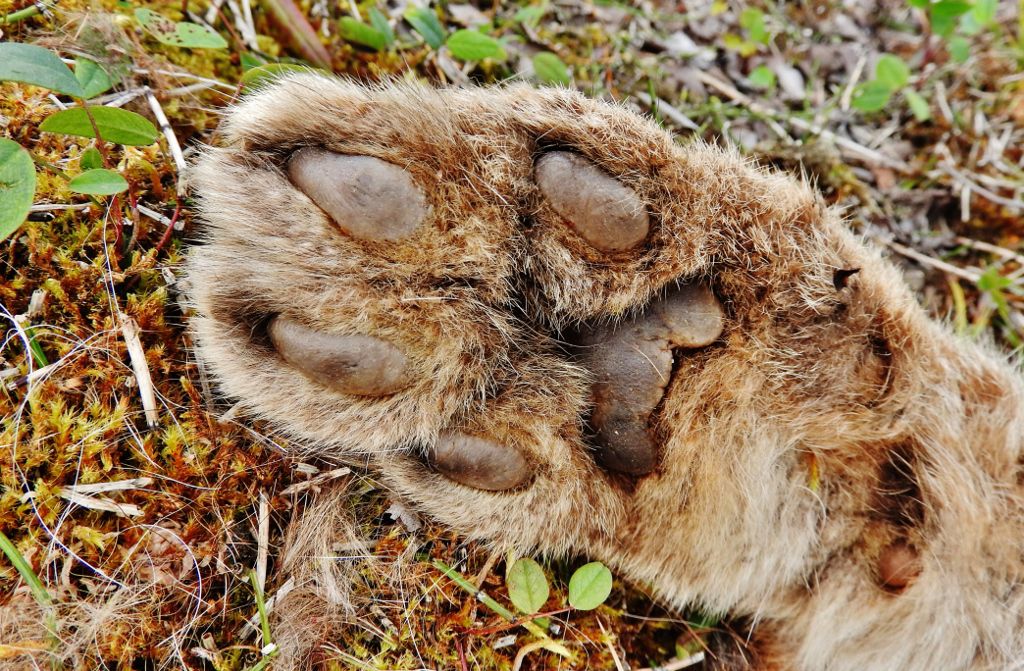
303,37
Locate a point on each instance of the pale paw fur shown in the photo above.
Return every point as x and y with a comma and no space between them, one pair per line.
551,327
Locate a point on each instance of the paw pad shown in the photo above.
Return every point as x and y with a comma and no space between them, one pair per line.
607,214
352,364
632,365
479,463
368,198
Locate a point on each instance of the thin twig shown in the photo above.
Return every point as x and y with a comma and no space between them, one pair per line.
26,13
924,259
517,663
675,665
316,481
182,74
991,249
137,355
115,486
853,148
252,624
967,182
172,141
668,110
58,207
858,69
611,646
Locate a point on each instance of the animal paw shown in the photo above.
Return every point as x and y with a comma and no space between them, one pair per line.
552,327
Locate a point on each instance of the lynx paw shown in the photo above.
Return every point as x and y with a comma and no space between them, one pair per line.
503,299
550,326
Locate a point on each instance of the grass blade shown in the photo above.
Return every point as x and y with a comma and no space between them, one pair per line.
25,570
302,35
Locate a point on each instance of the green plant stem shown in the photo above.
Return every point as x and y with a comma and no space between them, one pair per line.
261,607
21,14
27,574
39,592
264,662
486,600
36,348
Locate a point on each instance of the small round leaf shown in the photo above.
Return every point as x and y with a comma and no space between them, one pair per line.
550,69
92,77
589,586
527,586
892,72
872,96
762,77
90,159
195,36
17,186
115,124
98,182
179,34
472,45
918,105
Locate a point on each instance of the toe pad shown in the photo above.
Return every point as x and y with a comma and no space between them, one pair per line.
607,214
479,462
352,364
368,198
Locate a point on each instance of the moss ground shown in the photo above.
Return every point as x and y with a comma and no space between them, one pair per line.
152,571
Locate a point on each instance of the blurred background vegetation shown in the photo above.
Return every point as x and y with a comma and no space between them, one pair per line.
142,519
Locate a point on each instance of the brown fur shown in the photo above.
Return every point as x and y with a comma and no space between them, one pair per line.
915,435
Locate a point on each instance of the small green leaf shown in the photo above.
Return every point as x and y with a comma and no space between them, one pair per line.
195,36
360,33
589,586
115,124
918,105
734,42
872,96
959,49
550,69
527,586
179,34
531,16
157,25
752,20
425,22
762,77
892,72
944,15
471,45
262,74
93,79
381,25
90,159
17,186
249,60
984,12
992,281
920,4
29,64
98,182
